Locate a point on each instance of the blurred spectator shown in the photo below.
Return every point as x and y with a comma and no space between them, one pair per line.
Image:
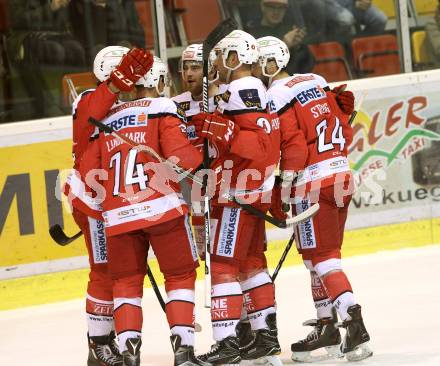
41,33
99,23
41,47
275,22
432,29
360,15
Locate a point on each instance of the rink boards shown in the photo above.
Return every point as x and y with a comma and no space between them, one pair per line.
395,205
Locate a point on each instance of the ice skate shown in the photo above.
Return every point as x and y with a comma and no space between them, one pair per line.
265,346
325,336
100,352
355,344
225,352
132,356
184,355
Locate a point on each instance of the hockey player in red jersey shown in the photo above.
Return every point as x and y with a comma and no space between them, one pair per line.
142,205
322,116
190,101
238,263
112,67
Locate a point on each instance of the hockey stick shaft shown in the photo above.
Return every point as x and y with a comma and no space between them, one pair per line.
211,40
206,206
155,288
295,221
283,257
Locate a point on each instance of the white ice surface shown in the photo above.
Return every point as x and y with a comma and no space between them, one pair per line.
399,292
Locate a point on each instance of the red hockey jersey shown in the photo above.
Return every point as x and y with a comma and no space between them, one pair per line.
93,103
306,101
139,191
250,164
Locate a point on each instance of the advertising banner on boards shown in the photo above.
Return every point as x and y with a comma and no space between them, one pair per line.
395,156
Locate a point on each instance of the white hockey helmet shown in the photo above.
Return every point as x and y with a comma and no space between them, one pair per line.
193,54
273,48
241,42
106,60
152,77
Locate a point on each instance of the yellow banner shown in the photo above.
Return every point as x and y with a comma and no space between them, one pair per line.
28,206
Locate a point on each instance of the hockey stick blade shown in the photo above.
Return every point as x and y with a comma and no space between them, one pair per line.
357,109
217,34
303,216
58,235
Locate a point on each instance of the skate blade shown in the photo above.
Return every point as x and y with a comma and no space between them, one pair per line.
361,352
268,361
307,357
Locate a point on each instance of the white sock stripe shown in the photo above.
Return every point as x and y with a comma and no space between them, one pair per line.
119,301
343,302
186,334
98,301
258,319
332,264
181,294
224,328
226,289
99,325
272,308
323,305
258,280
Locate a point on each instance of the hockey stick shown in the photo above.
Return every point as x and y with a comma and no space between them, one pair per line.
57,234
149,151
155,288
283,257
146,149
216,35
305,215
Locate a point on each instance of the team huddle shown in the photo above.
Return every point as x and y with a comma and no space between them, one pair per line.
259,120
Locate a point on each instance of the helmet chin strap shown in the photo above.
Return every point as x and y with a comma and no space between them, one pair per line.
228,76
230,69
160,93
271,76
215,79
